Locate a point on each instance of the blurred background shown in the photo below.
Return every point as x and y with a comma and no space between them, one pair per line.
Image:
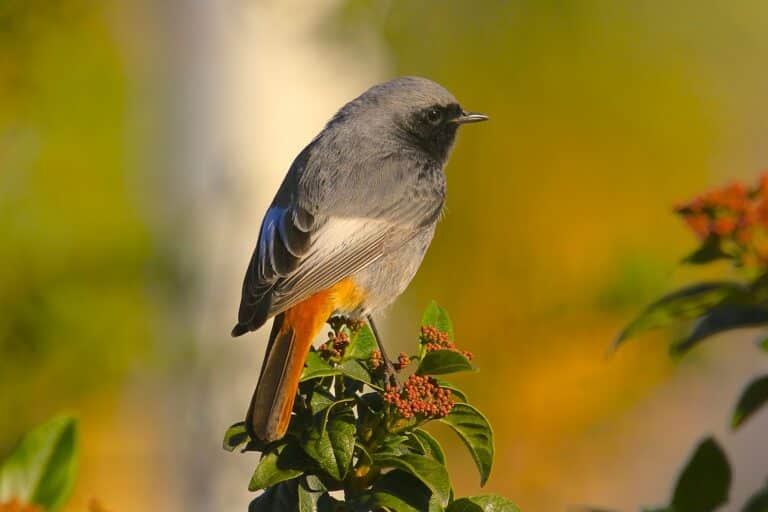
140,143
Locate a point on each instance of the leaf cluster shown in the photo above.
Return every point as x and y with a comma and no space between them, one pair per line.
711,308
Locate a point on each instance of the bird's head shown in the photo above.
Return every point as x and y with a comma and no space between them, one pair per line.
417,112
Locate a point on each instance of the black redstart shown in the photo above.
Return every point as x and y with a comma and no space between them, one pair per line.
347,229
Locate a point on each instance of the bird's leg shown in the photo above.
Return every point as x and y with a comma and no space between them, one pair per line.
389,370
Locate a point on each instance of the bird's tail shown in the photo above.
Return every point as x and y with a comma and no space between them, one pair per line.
289,342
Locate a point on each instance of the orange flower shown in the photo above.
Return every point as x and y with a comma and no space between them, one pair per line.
699,223
724,226
762,186
734,196
17,506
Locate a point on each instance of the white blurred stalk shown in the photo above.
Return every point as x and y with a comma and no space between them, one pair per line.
248,84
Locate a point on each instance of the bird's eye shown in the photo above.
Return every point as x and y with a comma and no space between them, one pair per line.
434,116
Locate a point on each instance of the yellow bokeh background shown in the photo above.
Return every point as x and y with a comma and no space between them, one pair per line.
140,143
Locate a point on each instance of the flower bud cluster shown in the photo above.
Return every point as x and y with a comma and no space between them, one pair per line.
338,322
434,339
421,396
736,215
402,361
335,345
376,361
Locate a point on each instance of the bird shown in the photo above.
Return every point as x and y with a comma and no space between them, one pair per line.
347,229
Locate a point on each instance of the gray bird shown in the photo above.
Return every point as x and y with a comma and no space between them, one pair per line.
347,230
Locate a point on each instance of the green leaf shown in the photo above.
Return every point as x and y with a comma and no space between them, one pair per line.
724,317
393,445
283,496
758,502
705,481
362,343
41,469
320,400
473,428
235,436
332,447
439,362
310,490
684,304
399,491
430,472
752,398
429,445
708,252
455,392
437,317
354,370
763,345
284,463
483,503
315,367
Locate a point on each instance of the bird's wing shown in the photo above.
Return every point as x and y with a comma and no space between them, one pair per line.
299,254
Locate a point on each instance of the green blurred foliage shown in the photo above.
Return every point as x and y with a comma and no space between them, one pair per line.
41,469
559,218
74,245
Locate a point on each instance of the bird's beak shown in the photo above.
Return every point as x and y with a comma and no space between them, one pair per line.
471,117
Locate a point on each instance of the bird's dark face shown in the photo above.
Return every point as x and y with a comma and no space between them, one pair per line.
433,128
411,111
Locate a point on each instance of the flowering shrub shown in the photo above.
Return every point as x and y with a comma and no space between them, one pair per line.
356,440
731,223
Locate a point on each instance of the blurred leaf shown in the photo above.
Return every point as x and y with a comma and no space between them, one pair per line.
283,496
724,317
41,469
705,481
430,472
758,502
763,345
473,428
315,367
456,392
235,436
362,343
399,491
284,463
440,362
752,398
332,447
684,304
708,252
429,445
483,503
437,317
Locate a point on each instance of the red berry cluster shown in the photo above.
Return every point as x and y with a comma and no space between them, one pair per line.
735,215
420,395
335,345
402,361
434,339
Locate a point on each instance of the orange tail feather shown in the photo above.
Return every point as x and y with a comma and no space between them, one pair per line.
290,340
